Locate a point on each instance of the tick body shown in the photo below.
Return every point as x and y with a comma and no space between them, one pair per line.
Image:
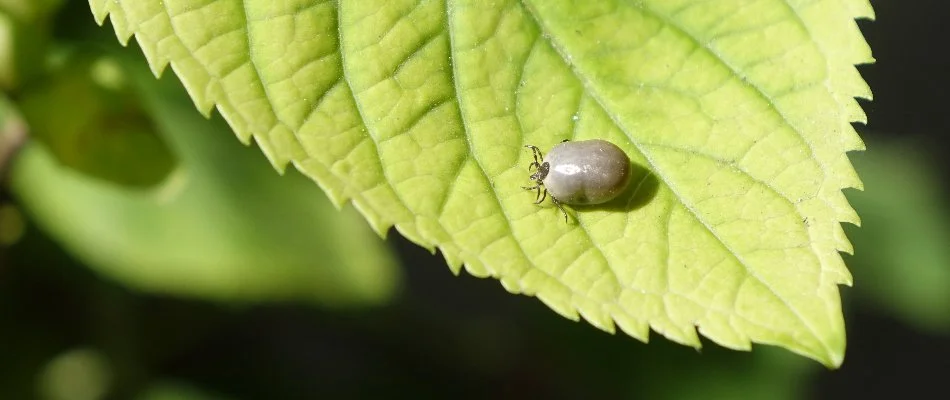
581,173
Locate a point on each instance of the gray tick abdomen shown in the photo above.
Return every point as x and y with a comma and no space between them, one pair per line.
586,172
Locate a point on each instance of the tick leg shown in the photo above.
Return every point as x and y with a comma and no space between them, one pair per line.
535,187
535,165
538,157
558,204
544,194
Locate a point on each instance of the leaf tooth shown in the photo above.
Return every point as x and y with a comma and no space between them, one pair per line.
100,10
120,24
847,177
555,296
855,113
456,261
853,83
843,210
410,231
842,243
634,327
859,9
718,327
686,336
512,285
594,313
833,266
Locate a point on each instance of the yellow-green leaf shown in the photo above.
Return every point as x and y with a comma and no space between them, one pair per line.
736,115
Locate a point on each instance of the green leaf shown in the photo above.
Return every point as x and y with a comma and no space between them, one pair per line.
29,12
12,133
736,115
222,227
80,373
90,119
903,258
25,28
173,390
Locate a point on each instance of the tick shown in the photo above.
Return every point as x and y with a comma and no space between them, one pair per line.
585,172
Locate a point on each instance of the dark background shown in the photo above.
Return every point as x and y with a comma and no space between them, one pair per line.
886,358
467,337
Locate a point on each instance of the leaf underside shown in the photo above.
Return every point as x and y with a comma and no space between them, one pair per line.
737,115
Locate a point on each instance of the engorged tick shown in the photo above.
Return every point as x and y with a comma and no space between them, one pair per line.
581,173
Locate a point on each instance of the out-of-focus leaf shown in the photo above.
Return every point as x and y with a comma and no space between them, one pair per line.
767,375
902,250
29,11
736,116
12,133
170,390
8,39
11,224
223,225
78,374
92,121
24,36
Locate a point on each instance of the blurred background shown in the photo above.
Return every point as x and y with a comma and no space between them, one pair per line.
198,274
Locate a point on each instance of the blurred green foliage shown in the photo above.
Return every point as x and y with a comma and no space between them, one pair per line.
25,36
902,257
222,226
91,119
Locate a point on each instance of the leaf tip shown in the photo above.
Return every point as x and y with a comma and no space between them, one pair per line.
834,356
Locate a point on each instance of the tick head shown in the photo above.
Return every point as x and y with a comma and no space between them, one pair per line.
541,173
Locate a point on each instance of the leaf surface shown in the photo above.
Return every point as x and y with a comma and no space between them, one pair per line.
736,115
